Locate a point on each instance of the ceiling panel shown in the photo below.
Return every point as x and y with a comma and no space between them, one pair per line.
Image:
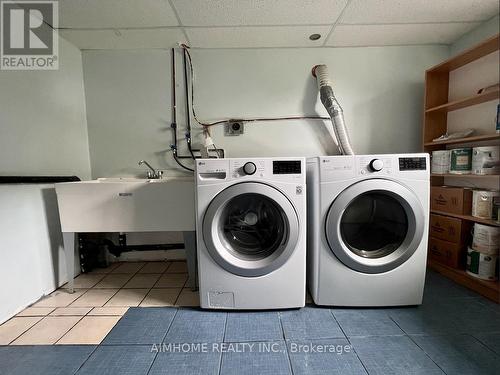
258,12
90,39
263,36
124,39
115,13
414,11
380,35
268,23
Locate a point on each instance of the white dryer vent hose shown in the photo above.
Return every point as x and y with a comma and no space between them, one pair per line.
333,108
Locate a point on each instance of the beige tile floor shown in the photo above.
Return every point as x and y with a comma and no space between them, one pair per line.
100,299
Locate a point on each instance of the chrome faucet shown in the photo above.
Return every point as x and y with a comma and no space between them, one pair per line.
152,173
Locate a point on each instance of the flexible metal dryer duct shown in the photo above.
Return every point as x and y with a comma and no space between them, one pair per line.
333,107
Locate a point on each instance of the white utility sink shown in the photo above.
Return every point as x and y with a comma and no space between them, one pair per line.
143,180
127,205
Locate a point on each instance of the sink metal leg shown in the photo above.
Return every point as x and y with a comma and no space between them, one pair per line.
190,247
69,239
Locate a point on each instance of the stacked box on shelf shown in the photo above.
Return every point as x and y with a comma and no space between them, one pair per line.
451,199
448,236
448,239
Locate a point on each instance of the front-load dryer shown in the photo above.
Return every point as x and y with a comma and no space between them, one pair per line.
368,223
251,232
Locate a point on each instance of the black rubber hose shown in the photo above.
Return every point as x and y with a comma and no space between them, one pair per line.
180,164
188,113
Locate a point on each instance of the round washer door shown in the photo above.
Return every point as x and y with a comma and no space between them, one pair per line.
375,225
250,229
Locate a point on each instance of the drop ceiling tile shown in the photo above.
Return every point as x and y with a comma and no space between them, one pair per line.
124,39
249,37
411,11
386,35
258,12
115,13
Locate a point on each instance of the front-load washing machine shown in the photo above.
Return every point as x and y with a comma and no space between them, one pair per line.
368,223
251,232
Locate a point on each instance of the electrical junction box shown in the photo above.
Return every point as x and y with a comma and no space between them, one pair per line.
234,128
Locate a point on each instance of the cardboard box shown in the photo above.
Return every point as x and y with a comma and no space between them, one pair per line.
450,229
449,253
455,200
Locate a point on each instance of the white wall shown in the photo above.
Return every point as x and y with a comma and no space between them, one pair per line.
128,109
43,129
42,132
128,101
30,246
480,33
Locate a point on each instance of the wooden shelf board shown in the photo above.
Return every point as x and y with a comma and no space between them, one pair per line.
489,289
468,218
482,49
465,175
474,138
466,102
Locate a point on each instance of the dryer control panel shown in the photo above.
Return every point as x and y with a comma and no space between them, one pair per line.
379,164
336,168
412,164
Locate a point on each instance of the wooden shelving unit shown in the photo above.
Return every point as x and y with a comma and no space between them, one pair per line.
468,218
475,138
452,175
437,107
466,102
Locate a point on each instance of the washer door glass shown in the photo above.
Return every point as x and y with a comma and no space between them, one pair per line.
375,225
253,226
250,229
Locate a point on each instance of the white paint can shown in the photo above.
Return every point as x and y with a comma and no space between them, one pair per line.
461,160
496,209
440,162
485,160
482,266
482,203
486,239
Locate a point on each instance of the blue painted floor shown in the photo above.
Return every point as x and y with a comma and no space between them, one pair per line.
454,332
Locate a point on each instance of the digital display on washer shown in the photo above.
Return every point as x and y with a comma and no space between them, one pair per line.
412,164
286,167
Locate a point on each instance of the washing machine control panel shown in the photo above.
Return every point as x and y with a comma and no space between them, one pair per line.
286,167
240,168
282,169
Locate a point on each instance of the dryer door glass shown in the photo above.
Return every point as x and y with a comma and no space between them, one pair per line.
250,229
252,226
374,225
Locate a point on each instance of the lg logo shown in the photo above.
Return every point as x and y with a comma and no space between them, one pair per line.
29,40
